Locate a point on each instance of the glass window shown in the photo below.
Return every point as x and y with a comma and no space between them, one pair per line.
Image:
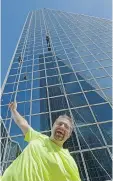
24,108
95,169
62,56
105,82
106,62
12,79
14,130
71,55
92,65
102,112
99,72
84,53
83,75
55,90
7,98
76,100
51,72
42,82
95,97
39,82
14,65
72,87
41,66
39,93
38,74
60,63
109,70
41,73
50,65
13,71
79,67
69,77
58,103
28,69
40,122
108,93
83,116
90,135
10,87
86,86
24,85
88,58
101,56
53,80
23,96
75,60
107,132
65,69
39,106
5,112
49,59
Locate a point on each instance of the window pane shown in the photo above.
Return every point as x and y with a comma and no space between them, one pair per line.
105,82
99,72
76,100
39,106
72,87
23,96
91,135
58,103
53,80
84,75
102,112
65,69
39,93
24,108
107,132
94,97
94,169
40,122
83,116
68,77
51,72
7,98
55,90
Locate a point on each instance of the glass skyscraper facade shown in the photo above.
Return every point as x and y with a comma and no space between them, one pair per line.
70,76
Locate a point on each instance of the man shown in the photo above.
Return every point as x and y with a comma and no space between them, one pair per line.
48,40
44,159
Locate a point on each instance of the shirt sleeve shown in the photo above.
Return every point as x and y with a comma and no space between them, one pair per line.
32,135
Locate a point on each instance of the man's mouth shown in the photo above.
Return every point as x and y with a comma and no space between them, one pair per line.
60,133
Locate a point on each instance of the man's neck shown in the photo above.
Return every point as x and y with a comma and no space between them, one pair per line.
60,144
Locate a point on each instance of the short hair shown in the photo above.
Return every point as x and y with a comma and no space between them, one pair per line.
68,118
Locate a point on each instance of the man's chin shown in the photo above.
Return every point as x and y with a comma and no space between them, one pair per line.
58,138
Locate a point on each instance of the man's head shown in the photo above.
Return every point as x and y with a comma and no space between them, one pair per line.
62,129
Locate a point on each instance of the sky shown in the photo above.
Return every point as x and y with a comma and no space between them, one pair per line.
14,13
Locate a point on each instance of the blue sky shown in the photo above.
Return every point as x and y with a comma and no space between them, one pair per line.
14,13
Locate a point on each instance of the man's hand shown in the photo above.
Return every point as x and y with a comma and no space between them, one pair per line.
19,120
13,106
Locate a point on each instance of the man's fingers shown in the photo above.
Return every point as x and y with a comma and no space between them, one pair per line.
10,104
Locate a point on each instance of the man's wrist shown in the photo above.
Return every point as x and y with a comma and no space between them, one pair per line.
13,111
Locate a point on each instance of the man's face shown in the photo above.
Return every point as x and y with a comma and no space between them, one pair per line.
61,130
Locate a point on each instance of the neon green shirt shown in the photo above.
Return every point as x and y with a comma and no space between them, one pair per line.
42,160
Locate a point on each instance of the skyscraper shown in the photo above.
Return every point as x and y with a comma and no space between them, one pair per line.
69,75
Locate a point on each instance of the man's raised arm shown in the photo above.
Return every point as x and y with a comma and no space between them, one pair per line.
19,120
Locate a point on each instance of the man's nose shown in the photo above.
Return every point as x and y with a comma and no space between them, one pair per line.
62,126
